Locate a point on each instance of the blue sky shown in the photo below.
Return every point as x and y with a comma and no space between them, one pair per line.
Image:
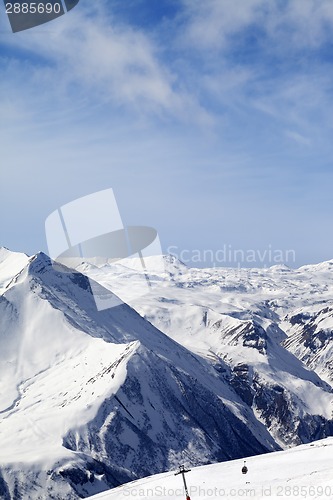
212,121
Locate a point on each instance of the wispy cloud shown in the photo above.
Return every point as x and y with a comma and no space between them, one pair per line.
266,57
223,108
88,53
298,138
215,24
209,25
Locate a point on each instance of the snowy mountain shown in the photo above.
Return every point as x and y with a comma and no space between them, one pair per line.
302,472
91,399
11,263
245,318
204,366
311,337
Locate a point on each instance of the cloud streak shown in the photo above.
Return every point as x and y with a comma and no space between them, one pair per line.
217,115
89,53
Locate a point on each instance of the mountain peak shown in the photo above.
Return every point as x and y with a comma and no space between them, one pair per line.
11,264
41,257
5,253
321,266
41,262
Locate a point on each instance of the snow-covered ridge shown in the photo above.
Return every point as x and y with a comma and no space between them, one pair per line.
244,317
102,397
11,263
210,365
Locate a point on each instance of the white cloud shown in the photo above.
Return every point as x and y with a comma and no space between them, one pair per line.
88,56
213,24
88,102
299,101
298,138
301,24
208,24
106,62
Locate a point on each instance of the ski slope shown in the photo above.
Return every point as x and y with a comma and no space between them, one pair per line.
302,472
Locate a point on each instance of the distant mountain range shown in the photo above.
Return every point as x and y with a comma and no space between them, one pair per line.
205,365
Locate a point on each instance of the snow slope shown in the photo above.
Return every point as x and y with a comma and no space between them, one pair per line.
310,337
243,317
302,472
218,364
90,399
11,263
